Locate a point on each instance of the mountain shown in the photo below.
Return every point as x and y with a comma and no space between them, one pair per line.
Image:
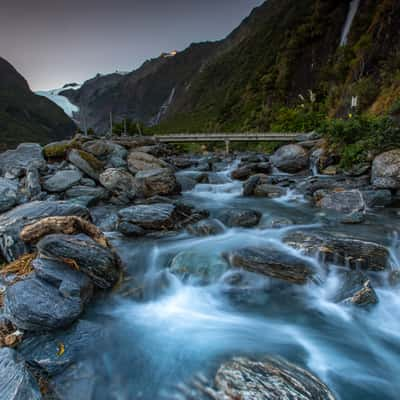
25,116
285,53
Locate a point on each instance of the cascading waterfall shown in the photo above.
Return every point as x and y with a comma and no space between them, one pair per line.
353,8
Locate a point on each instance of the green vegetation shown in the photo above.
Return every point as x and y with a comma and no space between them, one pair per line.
129,126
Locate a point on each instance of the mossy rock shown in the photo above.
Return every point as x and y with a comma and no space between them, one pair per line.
86,162
60,149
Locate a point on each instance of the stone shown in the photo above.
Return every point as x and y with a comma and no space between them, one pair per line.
105,149
244,172
279,222
8,194
35,305
138,161
243,218
353,218
377,198
341,249
157,182
270,191
273,263
62,180
16,381
386,170
118,181
97,193
105,217
32,185
99,263
129,229
198,267
206,227
345,201
250,185
12,222
86,162
186,182
291,158
15,162
57,149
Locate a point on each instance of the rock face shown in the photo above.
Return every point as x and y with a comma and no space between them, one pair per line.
62,180
12,222
157,182
94,260
16,162
240,218
138,161
340,249
291,158
8,194
269,379
16,381
86,162
386,170
273,263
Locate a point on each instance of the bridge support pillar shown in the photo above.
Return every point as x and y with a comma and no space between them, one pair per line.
227,146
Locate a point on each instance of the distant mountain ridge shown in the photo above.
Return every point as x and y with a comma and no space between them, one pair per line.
26,117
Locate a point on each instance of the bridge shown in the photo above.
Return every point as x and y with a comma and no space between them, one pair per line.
229,137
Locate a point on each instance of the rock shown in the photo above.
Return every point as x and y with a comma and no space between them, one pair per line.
32,185
240,218
86,162
150,217
291,158
12,222
250,185
8,194
345,201
340,249
157,182
273,263
94,260
62,181
198,267
377,198
353,218
129,229
186,182
271,191
138,161
70,283
16,381
58,149
35,305
245,171
277,223
356,290
104,150
206,227
105,217
268,379
358,170
78,341
118,181
14,163
386,170
97,193
116,162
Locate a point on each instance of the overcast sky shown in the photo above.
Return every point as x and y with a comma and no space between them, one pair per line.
53,42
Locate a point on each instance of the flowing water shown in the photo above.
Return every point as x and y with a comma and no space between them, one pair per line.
353,8
179,329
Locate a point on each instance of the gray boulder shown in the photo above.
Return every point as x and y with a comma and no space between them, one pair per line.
105,149
86,162
118,181
62,180
129,229
96,193
96,261
291,158
32,184
345,201
206,227
386,170
12,222
138,161
8,194
16,381
240,218
270,191
157,182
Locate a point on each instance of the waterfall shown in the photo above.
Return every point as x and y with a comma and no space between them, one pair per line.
353,8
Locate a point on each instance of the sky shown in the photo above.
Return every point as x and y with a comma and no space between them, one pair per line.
53,42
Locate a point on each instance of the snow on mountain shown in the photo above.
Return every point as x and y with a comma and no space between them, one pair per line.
61,101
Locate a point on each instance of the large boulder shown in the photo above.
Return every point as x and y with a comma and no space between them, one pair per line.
340,249
139,161
152,182
270,191
16,381
12,222
240,218
273,263
62,180
14,163
105,149
8,194
118,181
96,261
86,162
243,172
386,170
291,158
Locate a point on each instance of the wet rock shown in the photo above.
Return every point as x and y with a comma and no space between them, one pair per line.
104,150
198,267
277,223
377,198
96,193
32,184
94,260
12,222
353,218
346,201
118,181
138,161
105,217
157,182
57,149
78,341
129,229
35,305
273,263
62,181
206,227
291,158
240,218
250,185
358,170
8,194
179,161
14,163
386,170
86,162
270,191
16,381
186,182
245,171
340,249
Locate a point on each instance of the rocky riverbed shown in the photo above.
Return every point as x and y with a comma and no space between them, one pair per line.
132,272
